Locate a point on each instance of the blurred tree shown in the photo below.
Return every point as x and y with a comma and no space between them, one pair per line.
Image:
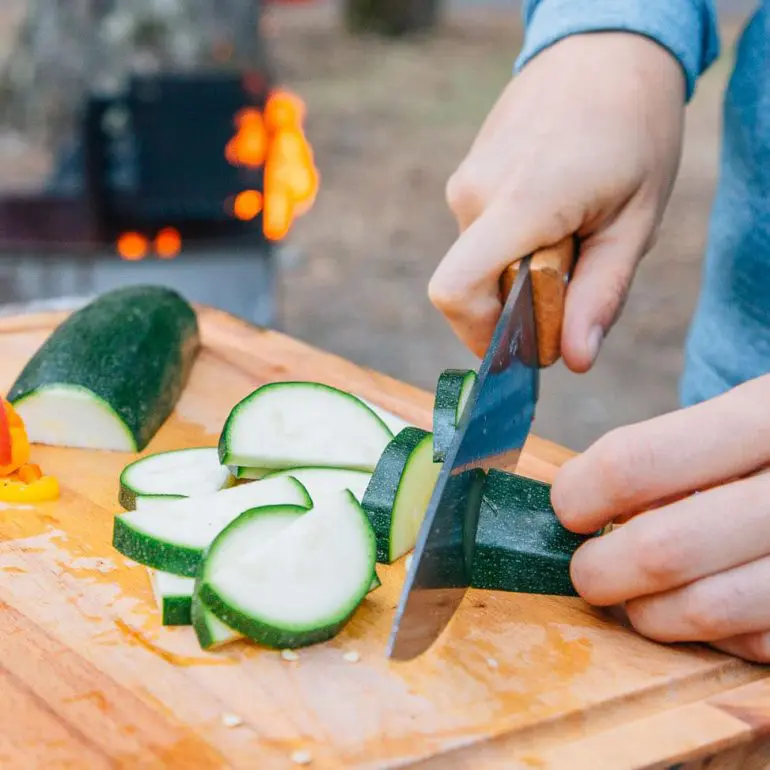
64,48
391,17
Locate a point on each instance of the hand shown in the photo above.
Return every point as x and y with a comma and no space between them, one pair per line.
585,140
696,569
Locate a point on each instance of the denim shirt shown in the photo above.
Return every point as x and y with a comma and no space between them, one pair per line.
729,337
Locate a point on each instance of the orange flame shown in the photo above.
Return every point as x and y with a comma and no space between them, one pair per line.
168,243
249,145
132,246
275,140
247,205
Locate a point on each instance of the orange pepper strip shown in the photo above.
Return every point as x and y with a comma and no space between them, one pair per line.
29,473
5,437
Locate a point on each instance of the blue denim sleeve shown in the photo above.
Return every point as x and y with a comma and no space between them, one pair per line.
687,28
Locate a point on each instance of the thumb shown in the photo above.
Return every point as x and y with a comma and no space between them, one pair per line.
599,288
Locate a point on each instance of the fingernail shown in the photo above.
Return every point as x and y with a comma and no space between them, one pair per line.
595,337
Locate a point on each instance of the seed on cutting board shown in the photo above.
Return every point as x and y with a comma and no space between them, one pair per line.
289,655
492,663
231,720
352,656
301,757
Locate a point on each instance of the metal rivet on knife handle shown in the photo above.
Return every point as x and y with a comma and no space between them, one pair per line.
550,269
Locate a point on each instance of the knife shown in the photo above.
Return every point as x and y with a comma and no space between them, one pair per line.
491,433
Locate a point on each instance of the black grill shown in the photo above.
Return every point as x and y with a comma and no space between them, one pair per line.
149,157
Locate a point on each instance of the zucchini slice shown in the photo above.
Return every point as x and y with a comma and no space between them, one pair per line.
210,631
110,375
395,423
452,392
172,535
179,473
399,492
213,633
299,588
520,544
323,482
302,424
174,596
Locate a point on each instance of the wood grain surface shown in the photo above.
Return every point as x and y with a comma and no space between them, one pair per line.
89,678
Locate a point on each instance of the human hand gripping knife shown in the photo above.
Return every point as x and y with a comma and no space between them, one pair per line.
491,433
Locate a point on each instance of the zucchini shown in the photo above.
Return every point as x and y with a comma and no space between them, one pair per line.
172,536
395,423
322,482
301,586
242,472
179,473
302,424
210,631
174,597
399,492
520,544
452,392
110,375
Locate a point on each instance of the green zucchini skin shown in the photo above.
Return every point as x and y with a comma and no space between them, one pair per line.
520,544
381,496
452,390
176,611
133,348
167,557
209,630
127,498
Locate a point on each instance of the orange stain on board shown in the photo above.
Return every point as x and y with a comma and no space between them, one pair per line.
176,659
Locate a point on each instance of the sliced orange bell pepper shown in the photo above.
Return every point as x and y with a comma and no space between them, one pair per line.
19,443
44,488
5,437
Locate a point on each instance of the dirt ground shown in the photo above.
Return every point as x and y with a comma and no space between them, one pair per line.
389,122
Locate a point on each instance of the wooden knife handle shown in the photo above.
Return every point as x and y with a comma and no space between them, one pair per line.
551,270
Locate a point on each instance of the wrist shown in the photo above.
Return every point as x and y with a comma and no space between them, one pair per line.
685,29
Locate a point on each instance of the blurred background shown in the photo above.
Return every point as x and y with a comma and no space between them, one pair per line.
138,141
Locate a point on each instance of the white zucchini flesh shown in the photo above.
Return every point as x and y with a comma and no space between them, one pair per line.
68,415
171,535
303,424
264,524
300,587
321,483
395,423
182,472
164,584
187,472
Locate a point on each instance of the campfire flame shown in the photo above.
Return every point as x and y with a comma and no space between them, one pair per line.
132,246
277,141
168,243
274,140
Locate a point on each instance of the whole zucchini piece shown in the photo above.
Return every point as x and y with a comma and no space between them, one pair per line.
110,375
520,544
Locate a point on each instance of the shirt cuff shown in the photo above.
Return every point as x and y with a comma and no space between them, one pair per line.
686,28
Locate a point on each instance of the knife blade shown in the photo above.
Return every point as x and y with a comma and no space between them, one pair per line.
491,433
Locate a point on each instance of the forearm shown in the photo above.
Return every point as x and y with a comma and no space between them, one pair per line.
686,28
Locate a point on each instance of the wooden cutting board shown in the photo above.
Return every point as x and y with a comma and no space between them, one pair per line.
89,679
